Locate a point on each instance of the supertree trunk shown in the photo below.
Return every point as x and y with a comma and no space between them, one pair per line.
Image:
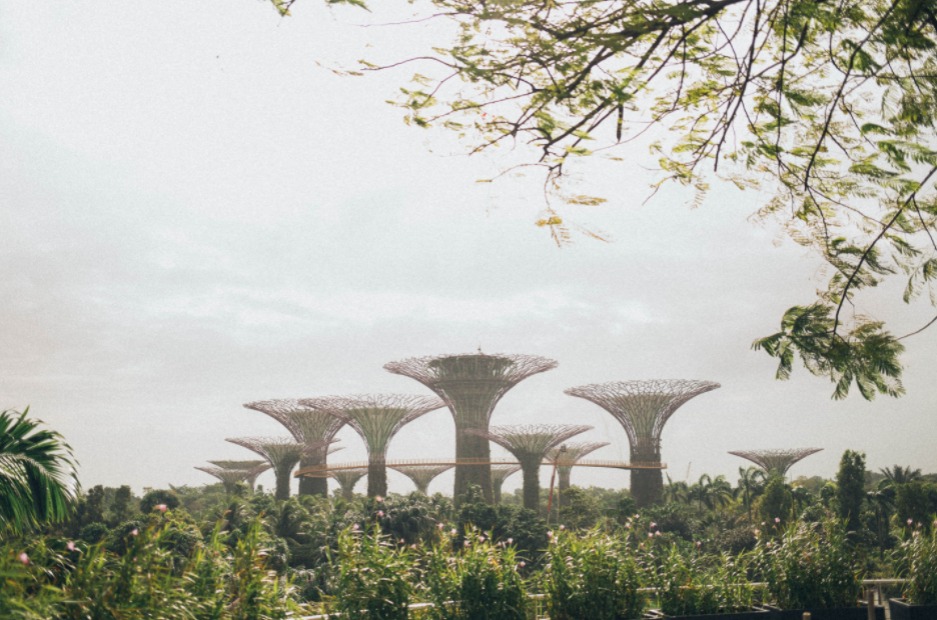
377,478
531,473
647,485
472,448
312,486
564,474
283,482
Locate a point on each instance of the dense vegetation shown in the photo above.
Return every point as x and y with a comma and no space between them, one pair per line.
207,553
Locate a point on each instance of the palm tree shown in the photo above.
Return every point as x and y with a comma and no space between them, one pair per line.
37,474
899,475
751,483
676,492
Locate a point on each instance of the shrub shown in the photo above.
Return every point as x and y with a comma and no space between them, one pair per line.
591,576
919,555
811,566
373,577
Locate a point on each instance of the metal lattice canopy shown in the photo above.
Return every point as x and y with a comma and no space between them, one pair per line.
376,417
775,461
230,477
568,454
642,407
348,478
529,443
306,424
282,453
242,465
421,475
500,473
471,384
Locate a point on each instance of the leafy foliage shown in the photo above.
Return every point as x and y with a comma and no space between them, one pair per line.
827,107
37,474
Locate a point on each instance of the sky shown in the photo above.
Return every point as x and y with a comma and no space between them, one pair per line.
197,212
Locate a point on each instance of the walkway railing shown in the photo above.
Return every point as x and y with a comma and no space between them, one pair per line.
322,471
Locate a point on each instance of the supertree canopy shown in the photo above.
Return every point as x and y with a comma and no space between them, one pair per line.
253,468
471,385
642,407
377,418
231,477
775,462
347,478
529,444
283,454
568,454
500,473
421,475
308,426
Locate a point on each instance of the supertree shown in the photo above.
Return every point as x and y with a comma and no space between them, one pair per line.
499,474
347,478
529,443
568,454
643,407
775,462
308,426
253,468
471,385
283,454
231,477
377,418
421,475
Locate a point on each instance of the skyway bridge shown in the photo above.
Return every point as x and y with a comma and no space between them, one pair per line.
323,471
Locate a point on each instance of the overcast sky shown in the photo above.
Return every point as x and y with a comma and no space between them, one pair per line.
195,212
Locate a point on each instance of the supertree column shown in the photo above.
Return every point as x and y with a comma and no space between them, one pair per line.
421,475
282,454
775,462
567,455
377,418
642,408
500,473
471,385
309,427
253,469
348,478
529,444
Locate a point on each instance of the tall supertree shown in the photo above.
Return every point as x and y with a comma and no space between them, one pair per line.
283,454
500,473
230,478
377,418
775,462
529,443
347,478
308,426
643,407
471,385
253,468
421,475
566,455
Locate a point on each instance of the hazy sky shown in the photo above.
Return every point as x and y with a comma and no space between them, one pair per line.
195,212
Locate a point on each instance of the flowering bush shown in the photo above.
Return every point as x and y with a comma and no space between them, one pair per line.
591,576
812,566
919,556
374,576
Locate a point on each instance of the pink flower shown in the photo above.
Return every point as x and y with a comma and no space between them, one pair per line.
522,564
699,544
355,527
653,525
70,545
378,499
657,533
453,532
550,534
562,527
777,519
380,514
510,541
23,558
134,532
161,507
650,534
466,543
910,521
440,525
